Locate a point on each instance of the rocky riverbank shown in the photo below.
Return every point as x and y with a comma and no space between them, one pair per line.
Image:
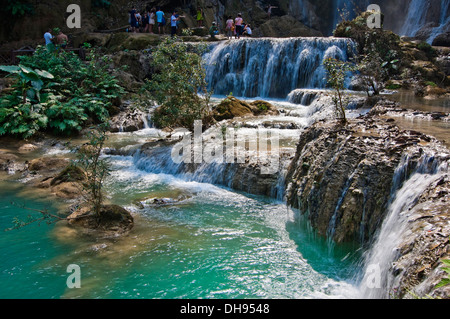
342,177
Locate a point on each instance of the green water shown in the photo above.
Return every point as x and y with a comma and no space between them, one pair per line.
216,243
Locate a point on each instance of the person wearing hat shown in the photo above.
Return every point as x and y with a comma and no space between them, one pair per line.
213,31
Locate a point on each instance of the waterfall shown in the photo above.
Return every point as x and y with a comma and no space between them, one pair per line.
415,18
377,279
271,67
444,21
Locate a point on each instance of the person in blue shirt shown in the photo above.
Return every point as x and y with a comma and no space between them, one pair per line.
174,21
160,20
48,37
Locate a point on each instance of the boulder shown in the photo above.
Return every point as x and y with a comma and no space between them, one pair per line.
284,27
71,173
112,220
7,160
130,120
25,148
47,164
442,40
232,107
67,190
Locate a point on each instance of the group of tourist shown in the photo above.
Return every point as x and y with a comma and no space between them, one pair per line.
55,39
237,27
153,21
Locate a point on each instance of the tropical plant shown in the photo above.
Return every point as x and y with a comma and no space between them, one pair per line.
58,92
29,81
445,281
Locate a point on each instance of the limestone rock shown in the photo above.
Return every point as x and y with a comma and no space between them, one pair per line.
442,40
232,107
47,164
336,166
128,121
112,220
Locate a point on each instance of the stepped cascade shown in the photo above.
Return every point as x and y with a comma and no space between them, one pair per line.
271,67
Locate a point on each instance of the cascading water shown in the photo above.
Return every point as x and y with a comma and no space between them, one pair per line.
444,21
271,67
415,18
377,279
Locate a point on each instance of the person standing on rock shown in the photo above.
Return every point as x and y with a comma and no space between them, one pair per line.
229,27
133,19
152,16
269,10
199,17
238,25
160,20
174,22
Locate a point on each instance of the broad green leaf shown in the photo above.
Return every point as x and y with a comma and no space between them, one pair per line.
44,74
10,68
30,76
26,69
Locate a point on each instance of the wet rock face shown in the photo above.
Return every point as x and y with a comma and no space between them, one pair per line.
342,177
130,120
418,268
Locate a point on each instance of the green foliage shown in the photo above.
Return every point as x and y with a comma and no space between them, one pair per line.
445,281
23,120
22,113
101,3
379,51
336,73
18,8
428,49
430,83
187,32
179,77
262,107
59,92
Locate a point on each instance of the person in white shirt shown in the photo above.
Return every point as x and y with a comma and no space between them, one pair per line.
247,30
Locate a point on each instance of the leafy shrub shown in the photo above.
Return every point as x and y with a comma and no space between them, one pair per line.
336,73
428,49
179,77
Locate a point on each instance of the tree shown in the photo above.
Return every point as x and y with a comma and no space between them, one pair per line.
96,169
178,79
336,73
